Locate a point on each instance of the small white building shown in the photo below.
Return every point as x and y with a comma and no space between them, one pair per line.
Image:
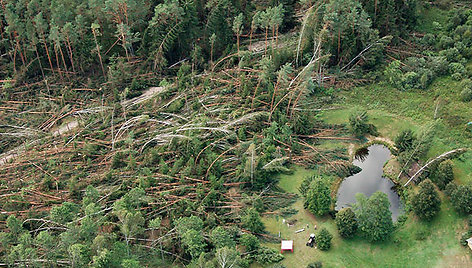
286,245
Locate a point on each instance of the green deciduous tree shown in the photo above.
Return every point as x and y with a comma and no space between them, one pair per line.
461,199
443,174
346,222
426,203
190,233
374,216
220,238
228,257
250,242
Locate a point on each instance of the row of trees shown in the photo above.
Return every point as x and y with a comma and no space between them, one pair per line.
56,37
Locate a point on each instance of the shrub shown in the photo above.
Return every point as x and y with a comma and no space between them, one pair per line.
346,222
466,93
316,264
394,74
457,70
118,160
426,204
410,80
323,239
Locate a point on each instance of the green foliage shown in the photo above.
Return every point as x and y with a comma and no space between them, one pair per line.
346,222
64,213
318,197
405,141
190,233
118,160
317,264
130,263
220,238
426,203
349,31
266,255
390,16
461,199
323,239
228,257
443,174
250,242
359,124
466,93
251,220
374,216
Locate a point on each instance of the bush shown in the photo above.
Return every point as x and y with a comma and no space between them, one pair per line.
422,233
426,204
443,174
466,93
394,74
323,239
359,124
316,264
346,222
457,70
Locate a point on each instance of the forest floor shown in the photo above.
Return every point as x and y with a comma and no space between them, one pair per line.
415,244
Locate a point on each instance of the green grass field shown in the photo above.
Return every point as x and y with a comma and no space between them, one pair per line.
415,244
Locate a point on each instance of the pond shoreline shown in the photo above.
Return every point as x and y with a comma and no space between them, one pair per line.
395,193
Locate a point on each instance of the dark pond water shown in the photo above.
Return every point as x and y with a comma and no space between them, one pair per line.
369,180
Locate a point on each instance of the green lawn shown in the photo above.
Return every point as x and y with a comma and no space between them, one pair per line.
415,244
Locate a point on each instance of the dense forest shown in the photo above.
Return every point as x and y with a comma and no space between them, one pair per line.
148,133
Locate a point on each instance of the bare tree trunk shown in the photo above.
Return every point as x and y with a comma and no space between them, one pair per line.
98,52
63,59
57,61
70,53
47,51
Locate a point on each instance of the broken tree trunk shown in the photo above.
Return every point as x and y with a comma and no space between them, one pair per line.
439,158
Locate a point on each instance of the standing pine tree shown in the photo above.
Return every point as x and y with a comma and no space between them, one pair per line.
318,197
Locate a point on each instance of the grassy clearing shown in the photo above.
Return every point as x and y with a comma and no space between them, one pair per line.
415,244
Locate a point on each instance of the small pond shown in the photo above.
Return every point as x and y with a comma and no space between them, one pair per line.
369,180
